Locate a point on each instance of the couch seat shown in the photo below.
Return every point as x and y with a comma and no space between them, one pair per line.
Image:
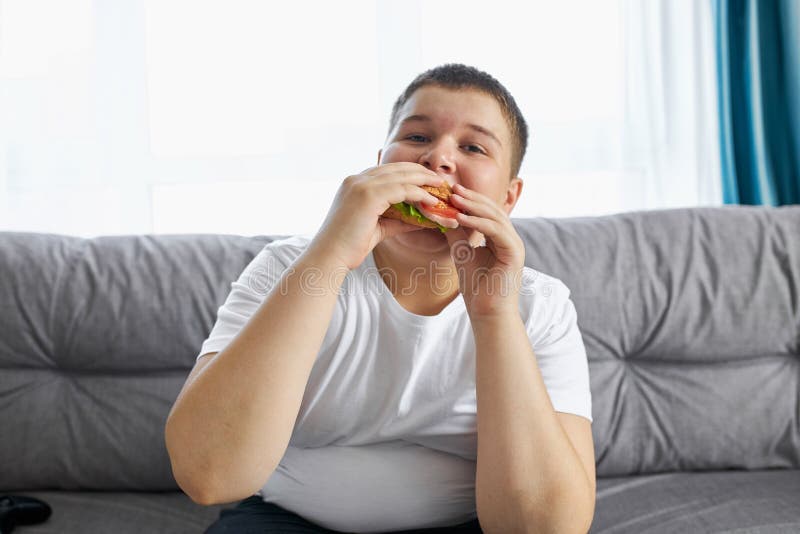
751,502
89,512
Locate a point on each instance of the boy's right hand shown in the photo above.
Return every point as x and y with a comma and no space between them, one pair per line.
354,224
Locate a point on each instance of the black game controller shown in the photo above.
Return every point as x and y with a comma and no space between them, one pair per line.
17,510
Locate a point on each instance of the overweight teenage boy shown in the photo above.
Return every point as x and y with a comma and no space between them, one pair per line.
379,376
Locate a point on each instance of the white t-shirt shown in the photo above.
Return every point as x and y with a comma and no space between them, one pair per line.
386,437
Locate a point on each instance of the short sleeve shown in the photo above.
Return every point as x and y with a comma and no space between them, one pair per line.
246,295
558,346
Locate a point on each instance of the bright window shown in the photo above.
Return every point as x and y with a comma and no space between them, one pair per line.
162,116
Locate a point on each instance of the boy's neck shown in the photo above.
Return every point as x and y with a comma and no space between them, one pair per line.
422,284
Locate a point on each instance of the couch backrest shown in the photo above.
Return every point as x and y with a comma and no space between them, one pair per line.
691,321
690,318
97,339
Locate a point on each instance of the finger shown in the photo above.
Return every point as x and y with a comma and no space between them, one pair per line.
399,167
408,177
476,239
470,207
479,205
494,230
389,167
404,192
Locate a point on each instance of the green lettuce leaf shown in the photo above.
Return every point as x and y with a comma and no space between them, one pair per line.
410,210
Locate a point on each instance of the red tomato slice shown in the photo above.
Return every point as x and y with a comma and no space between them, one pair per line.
443,209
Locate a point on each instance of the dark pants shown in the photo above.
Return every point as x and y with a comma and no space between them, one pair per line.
254,516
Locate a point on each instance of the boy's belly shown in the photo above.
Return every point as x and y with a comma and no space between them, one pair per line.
374,488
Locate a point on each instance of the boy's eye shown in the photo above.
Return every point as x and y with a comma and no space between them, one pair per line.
478,150
416,138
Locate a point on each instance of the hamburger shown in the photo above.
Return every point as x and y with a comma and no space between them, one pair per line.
443,212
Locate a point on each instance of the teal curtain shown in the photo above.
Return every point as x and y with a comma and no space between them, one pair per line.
758,70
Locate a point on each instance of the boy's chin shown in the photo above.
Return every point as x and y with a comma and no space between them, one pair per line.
424,239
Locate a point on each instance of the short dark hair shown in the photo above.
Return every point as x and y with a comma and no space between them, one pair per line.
458,76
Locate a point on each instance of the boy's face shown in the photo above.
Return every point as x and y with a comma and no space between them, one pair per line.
440,129
461,135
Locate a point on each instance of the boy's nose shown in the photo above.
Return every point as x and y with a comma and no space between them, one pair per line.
438,161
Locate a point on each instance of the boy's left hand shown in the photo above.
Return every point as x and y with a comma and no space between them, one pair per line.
489,276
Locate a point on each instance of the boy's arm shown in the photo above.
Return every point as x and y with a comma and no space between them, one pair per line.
232,423
535,466
229,429
534,474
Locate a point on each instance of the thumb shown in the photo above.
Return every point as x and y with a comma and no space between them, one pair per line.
456,235
461,250
464,236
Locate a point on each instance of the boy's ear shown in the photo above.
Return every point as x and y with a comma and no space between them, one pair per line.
380,150
512,194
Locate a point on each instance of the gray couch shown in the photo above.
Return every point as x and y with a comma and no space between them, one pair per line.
691,320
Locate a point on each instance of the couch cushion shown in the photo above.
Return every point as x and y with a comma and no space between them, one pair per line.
752,502
96,339
691,321
121,513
